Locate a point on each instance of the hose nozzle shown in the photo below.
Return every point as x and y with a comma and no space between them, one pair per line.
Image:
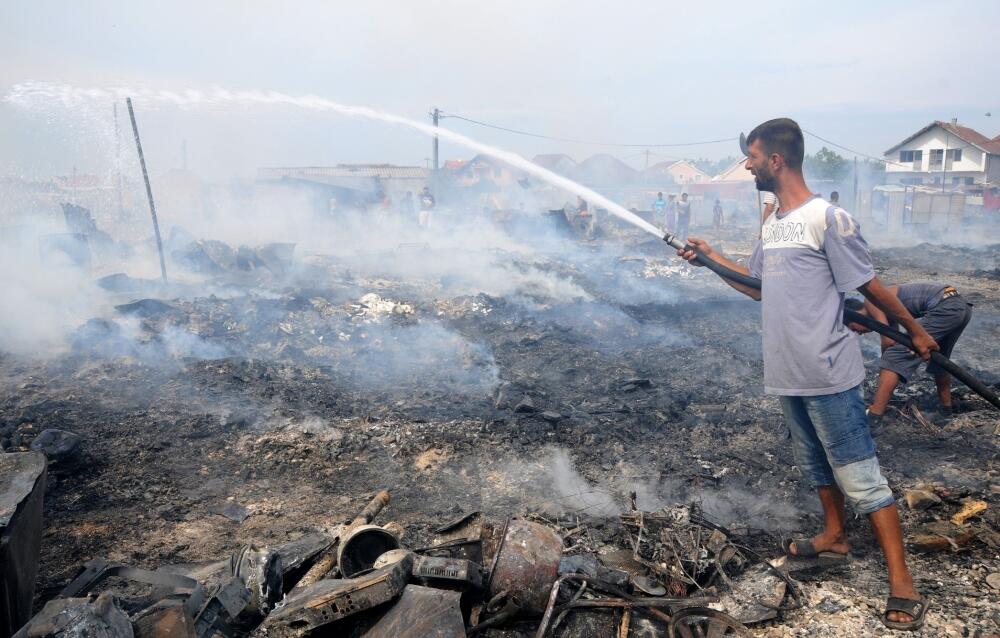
673,241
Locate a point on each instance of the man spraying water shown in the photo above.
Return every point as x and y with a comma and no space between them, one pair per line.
809,256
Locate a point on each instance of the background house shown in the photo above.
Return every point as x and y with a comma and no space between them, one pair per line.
677,172
604,171
361,178
944,153
344,186
558,163
483,170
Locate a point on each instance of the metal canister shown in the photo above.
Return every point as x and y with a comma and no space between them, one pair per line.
362,546
526,563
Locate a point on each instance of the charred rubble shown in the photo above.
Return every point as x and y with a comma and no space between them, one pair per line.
475,576
577,447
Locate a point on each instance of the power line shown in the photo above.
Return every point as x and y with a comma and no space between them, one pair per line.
886,161
588,142
679,144
850,150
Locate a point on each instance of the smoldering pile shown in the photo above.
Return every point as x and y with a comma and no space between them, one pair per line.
648,572
242,403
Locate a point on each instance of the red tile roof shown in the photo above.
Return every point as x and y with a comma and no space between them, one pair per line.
964,133
972,136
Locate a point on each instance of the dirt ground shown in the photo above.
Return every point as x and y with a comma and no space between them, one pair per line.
608,369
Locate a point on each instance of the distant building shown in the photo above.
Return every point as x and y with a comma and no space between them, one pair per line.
603,171
357,177
678,172
944,153
483,170
735,183
345,186
736,172
558,163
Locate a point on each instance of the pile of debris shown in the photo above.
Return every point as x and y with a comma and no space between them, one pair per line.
517,577
215,257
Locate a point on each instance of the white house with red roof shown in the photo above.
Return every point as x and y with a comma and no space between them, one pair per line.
944,153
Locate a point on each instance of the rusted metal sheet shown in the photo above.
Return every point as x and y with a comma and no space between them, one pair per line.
526,563
460,538
169,622
97,570
79,618
328,601
422,612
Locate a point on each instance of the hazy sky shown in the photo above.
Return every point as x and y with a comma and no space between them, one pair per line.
863,74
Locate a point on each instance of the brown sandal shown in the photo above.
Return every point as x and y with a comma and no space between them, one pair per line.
916,609
806,549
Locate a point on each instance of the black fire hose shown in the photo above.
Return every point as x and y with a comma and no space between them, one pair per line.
851,316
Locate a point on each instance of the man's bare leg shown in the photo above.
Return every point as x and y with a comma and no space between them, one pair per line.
887,382
943,383
832,538
885,522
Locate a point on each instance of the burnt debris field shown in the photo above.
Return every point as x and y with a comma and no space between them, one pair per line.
603,392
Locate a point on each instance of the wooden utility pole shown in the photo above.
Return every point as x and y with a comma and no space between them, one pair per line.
149,189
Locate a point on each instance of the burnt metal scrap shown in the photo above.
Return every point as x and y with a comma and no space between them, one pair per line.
661,573
22,486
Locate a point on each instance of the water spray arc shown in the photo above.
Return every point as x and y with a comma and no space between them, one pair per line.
29,92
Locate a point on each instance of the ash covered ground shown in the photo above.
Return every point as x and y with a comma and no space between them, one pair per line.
508,370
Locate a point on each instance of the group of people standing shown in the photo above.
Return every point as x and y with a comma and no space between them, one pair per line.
422,205
676,215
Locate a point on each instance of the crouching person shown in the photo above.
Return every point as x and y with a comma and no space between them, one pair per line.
943,313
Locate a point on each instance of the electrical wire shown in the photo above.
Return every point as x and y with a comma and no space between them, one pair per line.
878,159
576,141
851,150
673,145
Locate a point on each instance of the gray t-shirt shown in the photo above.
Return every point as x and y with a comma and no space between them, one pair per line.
806,259
918,298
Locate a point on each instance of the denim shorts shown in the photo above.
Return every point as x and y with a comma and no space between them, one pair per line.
833,446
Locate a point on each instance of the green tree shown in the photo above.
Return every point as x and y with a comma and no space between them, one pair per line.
825,164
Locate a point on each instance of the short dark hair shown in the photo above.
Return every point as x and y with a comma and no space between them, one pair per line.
835,195
782,136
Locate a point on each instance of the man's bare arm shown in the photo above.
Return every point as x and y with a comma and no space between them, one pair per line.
875,313
886,300
708,252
